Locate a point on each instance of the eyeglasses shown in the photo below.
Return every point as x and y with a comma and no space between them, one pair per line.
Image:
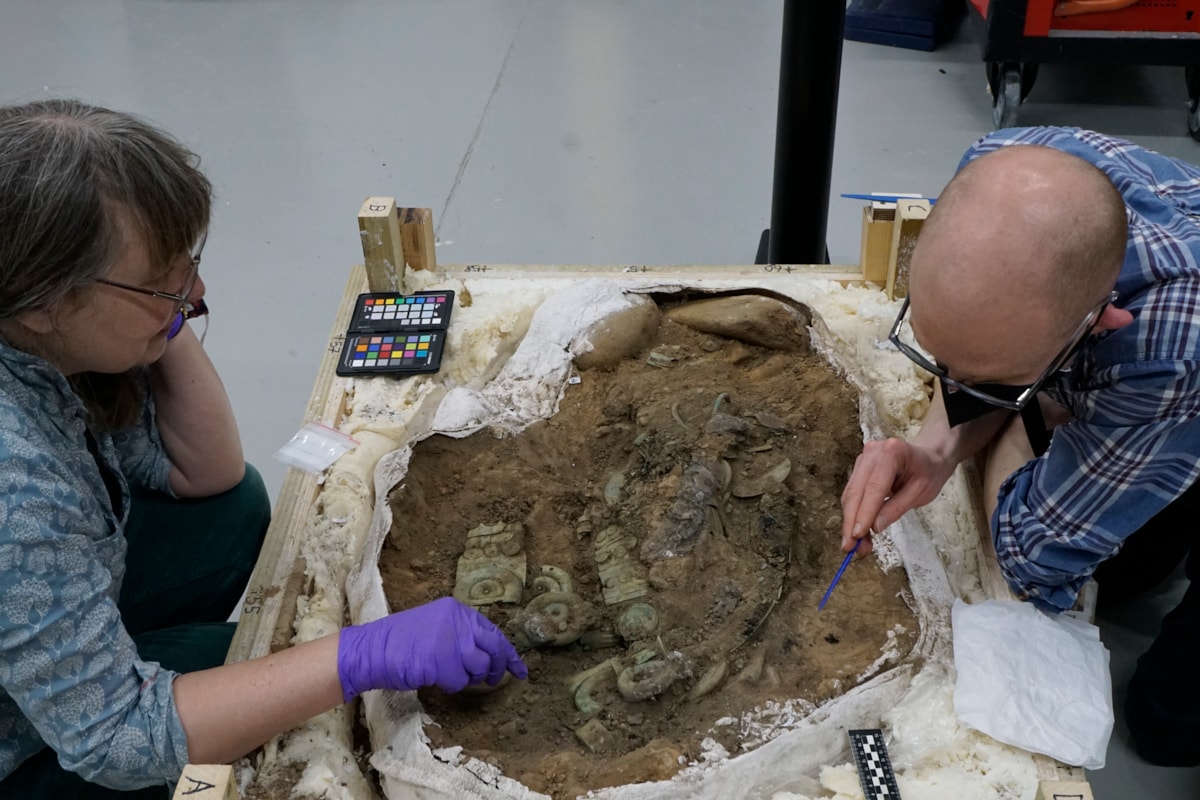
1027,393
189,282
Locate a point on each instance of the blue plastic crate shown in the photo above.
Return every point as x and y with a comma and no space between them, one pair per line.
914,24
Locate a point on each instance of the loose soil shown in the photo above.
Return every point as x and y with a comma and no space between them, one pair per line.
677,522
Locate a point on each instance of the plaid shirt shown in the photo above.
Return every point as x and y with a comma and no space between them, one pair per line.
1134,444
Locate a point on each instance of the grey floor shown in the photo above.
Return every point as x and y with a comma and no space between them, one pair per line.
539,131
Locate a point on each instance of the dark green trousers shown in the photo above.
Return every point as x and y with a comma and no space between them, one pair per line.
188,562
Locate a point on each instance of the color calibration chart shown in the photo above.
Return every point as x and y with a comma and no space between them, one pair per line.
394,312
396,334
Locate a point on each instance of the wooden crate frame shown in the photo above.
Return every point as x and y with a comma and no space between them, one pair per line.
269,611
265,625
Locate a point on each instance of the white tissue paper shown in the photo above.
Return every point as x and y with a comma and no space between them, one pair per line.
1032,680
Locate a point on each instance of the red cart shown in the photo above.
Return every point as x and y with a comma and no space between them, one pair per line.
1018,35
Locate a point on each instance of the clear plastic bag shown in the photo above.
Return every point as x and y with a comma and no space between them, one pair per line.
315,447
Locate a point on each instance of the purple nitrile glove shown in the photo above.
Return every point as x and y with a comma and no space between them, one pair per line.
443,643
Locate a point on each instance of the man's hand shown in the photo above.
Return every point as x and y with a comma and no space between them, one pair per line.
889,478
892,476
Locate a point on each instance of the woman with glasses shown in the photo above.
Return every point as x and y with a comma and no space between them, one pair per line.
129,522
1055,298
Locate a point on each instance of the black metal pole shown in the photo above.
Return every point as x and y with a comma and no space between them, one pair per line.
810,65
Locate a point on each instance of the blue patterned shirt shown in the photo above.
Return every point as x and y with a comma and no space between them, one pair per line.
70,676
1134,443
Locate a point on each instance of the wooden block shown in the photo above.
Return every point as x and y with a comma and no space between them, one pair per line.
910,216
990,577
383,250
207,782
416,233
1064,790
1085,603
878,219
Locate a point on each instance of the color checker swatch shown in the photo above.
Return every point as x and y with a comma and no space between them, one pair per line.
388,311
397,334
391,353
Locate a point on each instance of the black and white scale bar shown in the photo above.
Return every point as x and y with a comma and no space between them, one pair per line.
874,767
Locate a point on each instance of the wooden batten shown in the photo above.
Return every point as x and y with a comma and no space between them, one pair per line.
416,234
878,220
265,624
910,216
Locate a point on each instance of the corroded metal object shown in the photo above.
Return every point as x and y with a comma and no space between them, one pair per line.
486,584
701,487
599,639
612,489
622,576
549,579
597,738
554,618
492,567
638,621
592,680
759,485
662,356
646,680
710,680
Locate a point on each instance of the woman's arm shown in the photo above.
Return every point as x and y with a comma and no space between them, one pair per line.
195,420
228,711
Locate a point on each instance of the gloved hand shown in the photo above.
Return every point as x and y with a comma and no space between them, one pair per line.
443,643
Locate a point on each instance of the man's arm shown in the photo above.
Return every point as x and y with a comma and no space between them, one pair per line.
1010,449
1105,475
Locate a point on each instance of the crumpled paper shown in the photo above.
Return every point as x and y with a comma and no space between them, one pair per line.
1032,680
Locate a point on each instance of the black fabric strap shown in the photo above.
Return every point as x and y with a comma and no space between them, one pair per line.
1035,426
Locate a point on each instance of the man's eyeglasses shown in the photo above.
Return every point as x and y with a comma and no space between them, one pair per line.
179,297
1027,393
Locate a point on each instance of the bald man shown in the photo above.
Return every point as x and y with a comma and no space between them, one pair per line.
1055,295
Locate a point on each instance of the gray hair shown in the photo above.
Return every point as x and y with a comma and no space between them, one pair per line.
70,173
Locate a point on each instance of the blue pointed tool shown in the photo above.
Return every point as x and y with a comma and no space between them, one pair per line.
838,577
887,198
